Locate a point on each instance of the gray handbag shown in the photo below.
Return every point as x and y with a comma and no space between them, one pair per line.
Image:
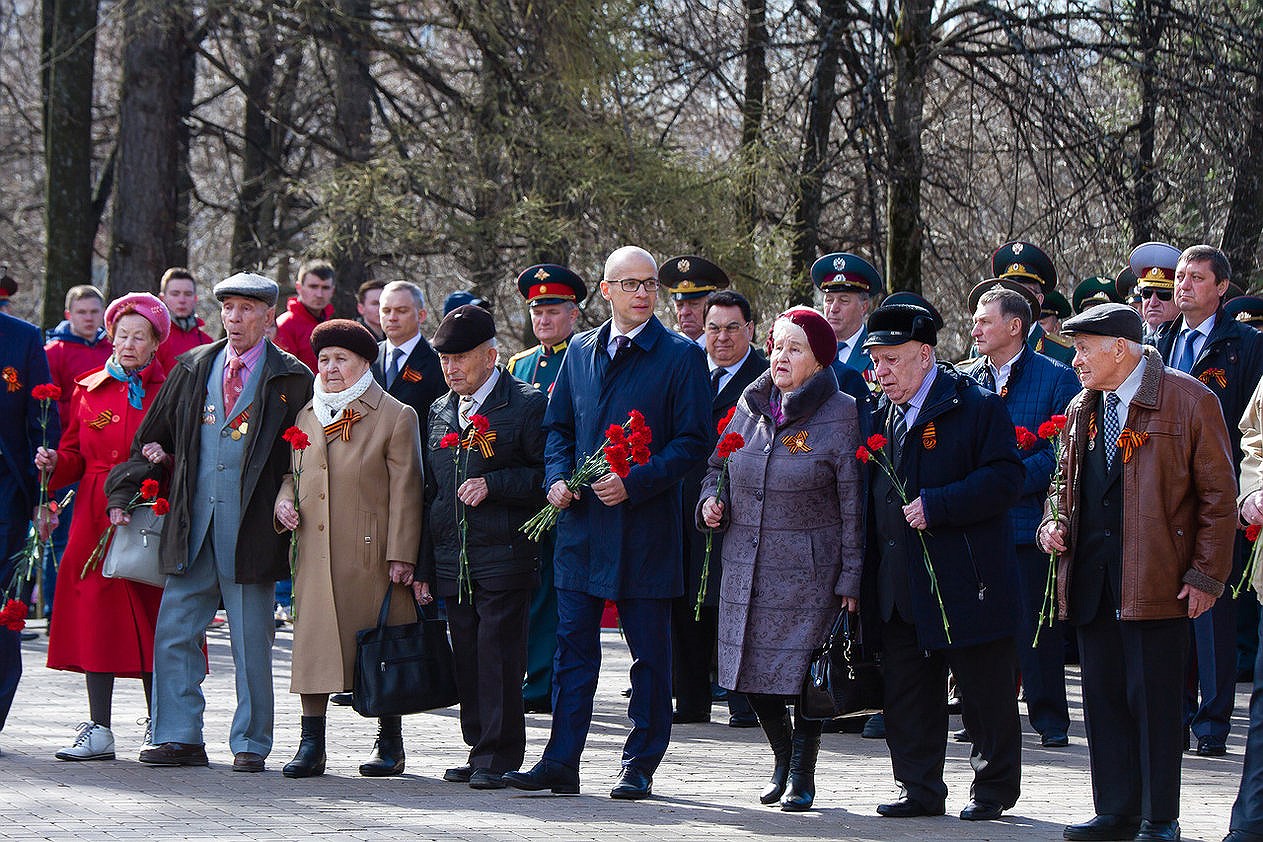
133,552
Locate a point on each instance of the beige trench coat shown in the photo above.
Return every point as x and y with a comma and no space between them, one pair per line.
359,508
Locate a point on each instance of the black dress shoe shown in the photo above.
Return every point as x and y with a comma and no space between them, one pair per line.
1051,740
632,785
537,705
981,811
486,779
459,774
683,718
1243,836
743,720
545,775
1103,829
1158,831
344,699
1210,747
906,808
874,728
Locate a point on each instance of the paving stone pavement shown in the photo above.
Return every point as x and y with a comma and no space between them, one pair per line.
707,787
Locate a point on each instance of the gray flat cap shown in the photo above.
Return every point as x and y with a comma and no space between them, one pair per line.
248,285
1107,320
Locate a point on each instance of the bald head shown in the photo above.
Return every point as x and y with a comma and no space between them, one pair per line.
625,257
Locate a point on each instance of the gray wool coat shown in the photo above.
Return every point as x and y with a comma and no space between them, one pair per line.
793,515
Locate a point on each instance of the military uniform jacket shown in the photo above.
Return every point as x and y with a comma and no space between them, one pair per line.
540,365
633,549
1056,347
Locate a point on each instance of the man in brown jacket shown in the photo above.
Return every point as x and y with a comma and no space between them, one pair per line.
1144,522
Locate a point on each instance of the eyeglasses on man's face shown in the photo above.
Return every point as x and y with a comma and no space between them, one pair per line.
731,329
633,284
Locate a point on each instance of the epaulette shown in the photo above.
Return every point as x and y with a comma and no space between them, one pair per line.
1059,339
521,355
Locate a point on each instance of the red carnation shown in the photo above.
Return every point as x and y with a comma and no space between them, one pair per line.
862,454
1048,430
729,444
149,489
480,423
615,434
296,438
637,420
449,440
723,422
876,441
46,392
1252,532
641,437
1025,438
1059,421
13,615
161,506
640,454
616,458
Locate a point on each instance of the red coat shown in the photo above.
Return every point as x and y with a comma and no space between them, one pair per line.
293,331
69,358
180,341
99,624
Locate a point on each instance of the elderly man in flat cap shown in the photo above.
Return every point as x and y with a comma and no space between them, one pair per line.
951,446
1144,523
214,435
484,471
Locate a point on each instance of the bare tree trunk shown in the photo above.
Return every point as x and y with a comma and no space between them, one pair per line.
250,234
821,98
145,230
68,48
184,177
752,105
1144,208
353,122
1245,214
910,54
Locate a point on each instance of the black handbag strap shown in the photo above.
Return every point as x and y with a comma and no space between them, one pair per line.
385,609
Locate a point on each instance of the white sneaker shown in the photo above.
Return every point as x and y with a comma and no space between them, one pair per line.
148,723
93,742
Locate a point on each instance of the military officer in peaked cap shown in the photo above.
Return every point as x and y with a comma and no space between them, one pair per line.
1098,289
553,294
1052,311
848,284
1153,264
1125,284
1247,309
1029,266
690,279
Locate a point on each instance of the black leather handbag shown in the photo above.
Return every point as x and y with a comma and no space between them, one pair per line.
842,679
403,669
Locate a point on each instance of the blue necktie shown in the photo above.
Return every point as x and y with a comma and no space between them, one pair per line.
1112,428
393,370
1185,363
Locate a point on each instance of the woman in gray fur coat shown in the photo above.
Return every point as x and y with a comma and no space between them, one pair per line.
792,508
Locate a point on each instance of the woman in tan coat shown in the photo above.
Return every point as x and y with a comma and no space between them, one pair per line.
358,520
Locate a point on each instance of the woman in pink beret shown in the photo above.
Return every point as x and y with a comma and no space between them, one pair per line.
103,627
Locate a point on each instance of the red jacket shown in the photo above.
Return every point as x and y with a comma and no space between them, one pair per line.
70,356
293,331
180,341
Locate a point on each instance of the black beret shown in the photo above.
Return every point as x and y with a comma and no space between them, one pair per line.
549,283
1002,283
895,324
690,276
1024,262
842,271
464,329
903,296
1111,319
344,333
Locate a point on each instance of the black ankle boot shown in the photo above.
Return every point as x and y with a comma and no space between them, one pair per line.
802,770
309,760
780,732
387,756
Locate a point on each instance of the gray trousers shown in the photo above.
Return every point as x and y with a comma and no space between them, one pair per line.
188,606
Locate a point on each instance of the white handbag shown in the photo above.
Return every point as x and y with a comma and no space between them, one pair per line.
133,552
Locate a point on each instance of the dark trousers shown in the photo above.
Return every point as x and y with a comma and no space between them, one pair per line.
14,522
489,647
916,715
1212,669
692,653
1043,667
1247,811
647,628
541,639
1133,672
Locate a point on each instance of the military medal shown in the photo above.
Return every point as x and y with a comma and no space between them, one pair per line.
796,443
1092,431
929,437
238,426
208,414
11,378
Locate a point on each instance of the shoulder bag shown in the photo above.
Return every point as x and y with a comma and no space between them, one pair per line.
403,669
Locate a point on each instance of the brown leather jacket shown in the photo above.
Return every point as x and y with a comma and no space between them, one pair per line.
1179,493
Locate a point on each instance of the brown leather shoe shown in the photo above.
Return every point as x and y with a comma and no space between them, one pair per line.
175,754
247,761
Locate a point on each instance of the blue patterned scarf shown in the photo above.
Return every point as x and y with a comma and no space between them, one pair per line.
135,389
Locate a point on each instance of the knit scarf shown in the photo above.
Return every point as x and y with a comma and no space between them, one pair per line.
188,324
135,388
329,405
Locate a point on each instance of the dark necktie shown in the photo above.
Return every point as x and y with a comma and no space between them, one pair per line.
898,431
1185,362
1112,428
621,344
392,371
715,377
